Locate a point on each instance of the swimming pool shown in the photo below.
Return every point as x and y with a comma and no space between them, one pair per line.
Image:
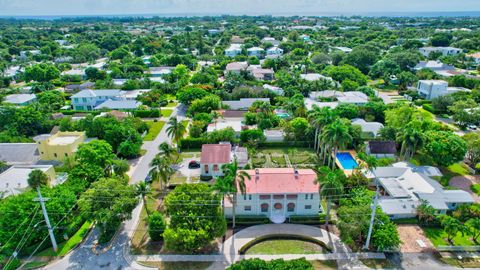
347,161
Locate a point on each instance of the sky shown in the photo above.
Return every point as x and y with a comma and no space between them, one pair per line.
236,7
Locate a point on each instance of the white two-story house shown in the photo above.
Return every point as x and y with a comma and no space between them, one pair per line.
88,99
278,193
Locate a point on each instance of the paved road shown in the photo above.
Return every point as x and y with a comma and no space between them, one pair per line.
117,257
418,261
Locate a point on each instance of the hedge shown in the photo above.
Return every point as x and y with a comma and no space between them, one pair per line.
249,220
72,112
312,220
419,102
191,143
286,143
146,113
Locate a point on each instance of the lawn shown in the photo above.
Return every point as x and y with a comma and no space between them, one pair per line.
177,179
65,247
166,112
438,238
284,246
140,239
279,161
456,169
155,128
324,265
171,104
475,188
34,265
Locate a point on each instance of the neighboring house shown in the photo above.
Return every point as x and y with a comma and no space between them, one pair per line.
89,99
21,99
278,193
220,124
274,52
381,149
213,31
79,87
256,51
213,157
122,104
475,57
134,94
119,82
370,129
430,89
263,74
236,67
159,71
270,40
353,97
275,89
433,65
445,51
19,153
63,59
237,40
406,186
233,50
14,180
274,135
75,72
233,114
243,103
343,49
60,145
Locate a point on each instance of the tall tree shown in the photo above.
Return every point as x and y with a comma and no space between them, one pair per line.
331,186
161,170
335,136
231,184
143,190
175,129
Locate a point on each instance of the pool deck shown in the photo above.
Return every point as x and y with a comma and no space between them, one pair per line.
347,172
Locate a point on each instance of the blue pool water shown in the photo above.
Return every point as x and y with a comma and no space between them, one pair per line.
347,161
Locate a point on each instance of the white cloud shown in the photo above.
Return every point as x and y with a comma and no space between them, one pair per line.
97,7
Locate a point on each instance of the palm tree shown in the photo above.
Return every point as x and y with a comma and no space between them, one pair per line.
37,179
167,151
161,170
142,190
335,136
231,183
412,138
331,186
321,117
369,162
175,129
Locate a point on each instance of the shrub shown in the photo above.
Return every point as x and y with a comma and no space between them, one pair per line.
428,107
156,226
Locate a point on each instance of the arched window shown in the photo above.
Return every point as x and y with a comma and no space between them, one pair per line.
264,207
290,207
278,206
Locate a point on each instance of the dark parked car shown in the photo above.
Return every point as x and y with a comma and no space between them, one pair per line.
148,179
193,164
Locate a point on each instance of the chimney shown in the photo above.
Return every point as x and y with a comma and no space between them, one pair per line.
295,172
257,174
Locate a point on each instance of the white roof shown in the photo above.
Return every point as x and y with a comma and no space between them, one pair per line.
314,77
234,47
310,103
64,140
255,49
119,104
19,98
223,124
98,93
353,97
14,180
373,127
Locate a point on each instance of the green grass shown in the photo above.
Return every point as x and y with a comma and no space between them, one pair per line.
166,112
438,238
279,161
33,265
65,247
459,169
155,128
178,179
475,188
171,104
272,247
464,263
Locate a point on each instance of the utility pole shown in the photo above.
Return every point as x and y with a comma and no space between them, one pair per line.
372,218
47,220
